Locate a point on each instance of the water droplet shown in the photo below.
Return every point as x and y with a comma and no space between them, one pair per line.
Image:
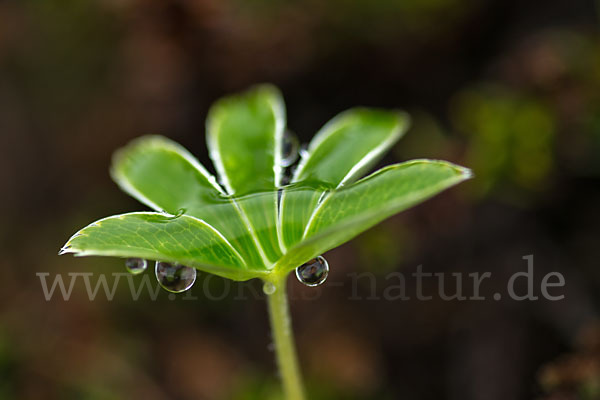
313,272
290,149
175,278
269,288
136,266
177,214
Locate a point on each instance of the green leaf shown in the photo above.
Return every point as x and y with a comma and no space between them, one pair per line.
253,227
344,213
164,176
341,152
244,137
349,145
179,239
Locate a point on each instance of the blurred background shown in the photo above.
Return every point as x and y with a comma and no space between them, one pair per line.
509,88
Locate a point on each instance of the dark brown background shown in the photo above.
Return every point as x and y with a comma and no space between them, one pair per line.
509,88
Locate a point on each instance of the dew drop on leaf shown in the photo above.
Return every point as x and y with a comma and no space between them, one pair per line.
269,288
290,149
180,212
174,278
136,266
313,272
177,214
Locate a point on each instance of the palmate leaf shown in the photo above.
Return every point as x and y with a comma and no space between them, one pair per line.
252,226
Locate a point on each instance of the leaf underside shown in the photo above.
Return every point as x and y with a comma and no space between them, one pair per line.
250,225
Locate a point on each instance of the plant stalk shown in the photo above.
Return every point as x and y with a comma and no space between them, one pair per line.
283,339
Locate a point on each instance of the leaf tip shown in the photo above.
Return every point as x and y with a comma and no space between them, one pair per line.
265,88
66,249
403,119
465,172
141,144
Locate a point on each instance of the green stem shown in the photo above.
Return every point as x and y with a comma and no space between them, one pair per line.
283,339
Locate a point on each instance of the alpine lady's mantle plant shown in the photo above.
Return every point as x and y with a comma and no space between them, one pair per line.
248,223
